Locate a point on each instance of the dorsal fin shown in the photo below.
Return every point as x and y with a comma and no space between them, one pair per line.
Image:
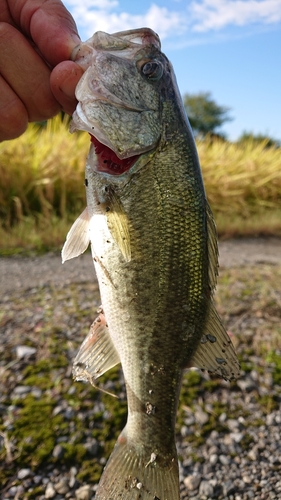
213,251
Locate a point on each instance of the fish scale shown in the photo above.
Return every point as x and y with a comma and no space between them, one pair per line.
154,248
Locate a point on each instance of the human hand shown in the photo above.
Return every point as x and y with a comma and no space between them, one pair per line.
36,77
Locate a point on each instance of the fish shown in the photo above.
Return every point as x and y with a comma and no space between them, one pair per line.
154,247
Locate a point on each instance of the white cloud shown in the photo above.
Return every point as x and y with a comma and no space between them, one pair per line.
90,4
95,15
184,26
217,14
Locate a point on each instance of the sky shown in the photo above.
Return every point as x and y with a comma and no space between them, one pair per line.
230,48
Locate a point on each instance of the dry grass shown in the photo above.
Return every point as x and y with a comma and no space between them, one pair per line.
241,177
42,187
243,185
42,173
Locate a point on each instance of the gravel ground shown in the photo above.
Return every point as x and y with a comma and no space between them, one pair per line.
26,272
228,435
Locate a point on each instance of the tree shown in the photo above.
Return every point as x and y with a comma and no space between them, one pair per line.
204,114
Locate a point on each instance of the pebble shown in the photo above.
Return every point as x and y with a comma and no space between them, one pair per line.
228,488
192,482
236,436
58,451
50,491
21,390
205,489
224,459
239,459
233,424
58,409
37,479
92,447
62,486
253,455
24,351
24,473
69,413
201,417
247,385
36,392
72,480
12,492
213,458
83,493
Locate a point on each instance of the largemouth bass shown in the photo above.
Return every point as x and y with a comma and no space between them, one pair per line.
154,248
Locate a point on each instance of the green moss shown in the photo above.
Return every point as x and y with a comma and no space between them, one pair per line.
114,423
246,366
34,431
246,441
191,386
269,403
197,459
73,453
35,493
212,384
39,380
192,378
257,422
275,359
90,471
43,365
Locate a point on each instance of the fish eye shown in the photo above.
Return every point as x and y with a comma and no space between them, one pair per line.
153,70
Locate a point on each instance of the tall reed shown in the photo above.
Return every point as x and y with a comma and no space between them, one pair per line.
241,178
42,173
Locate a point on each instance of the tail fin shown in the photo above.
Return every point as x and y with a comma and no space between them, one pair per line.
133,474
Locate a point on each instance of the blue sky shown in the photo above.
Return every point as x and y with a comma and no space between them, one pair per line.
231,48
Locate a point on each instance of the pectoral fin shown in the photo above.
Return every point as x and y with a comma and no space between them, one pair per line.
97,354
215,352
118,224
78,238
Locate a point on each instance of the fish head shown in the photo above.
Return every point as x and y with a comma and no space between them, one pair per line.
120,96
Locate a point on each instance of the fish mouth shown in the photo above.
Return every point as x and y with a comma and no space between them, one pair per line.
108,162
106,159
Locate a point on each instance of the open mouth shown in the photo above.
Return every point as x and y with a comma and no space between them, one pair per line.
109,162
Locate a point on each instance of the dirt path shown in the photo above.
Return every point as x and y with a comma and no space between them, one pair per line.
28,272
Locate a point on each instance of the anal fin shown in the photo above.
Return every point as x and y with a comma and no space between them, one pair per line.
215,352
97,353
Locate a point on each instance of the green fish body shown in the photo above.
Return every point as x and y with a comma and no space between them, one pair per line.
154,248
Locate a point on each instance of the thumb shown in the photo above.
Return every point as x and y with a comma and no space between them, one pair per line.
63,81
49,24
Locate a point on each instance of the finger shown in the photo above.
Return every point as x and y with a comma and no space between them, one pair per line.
49,24
13,114
63,80
26,73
